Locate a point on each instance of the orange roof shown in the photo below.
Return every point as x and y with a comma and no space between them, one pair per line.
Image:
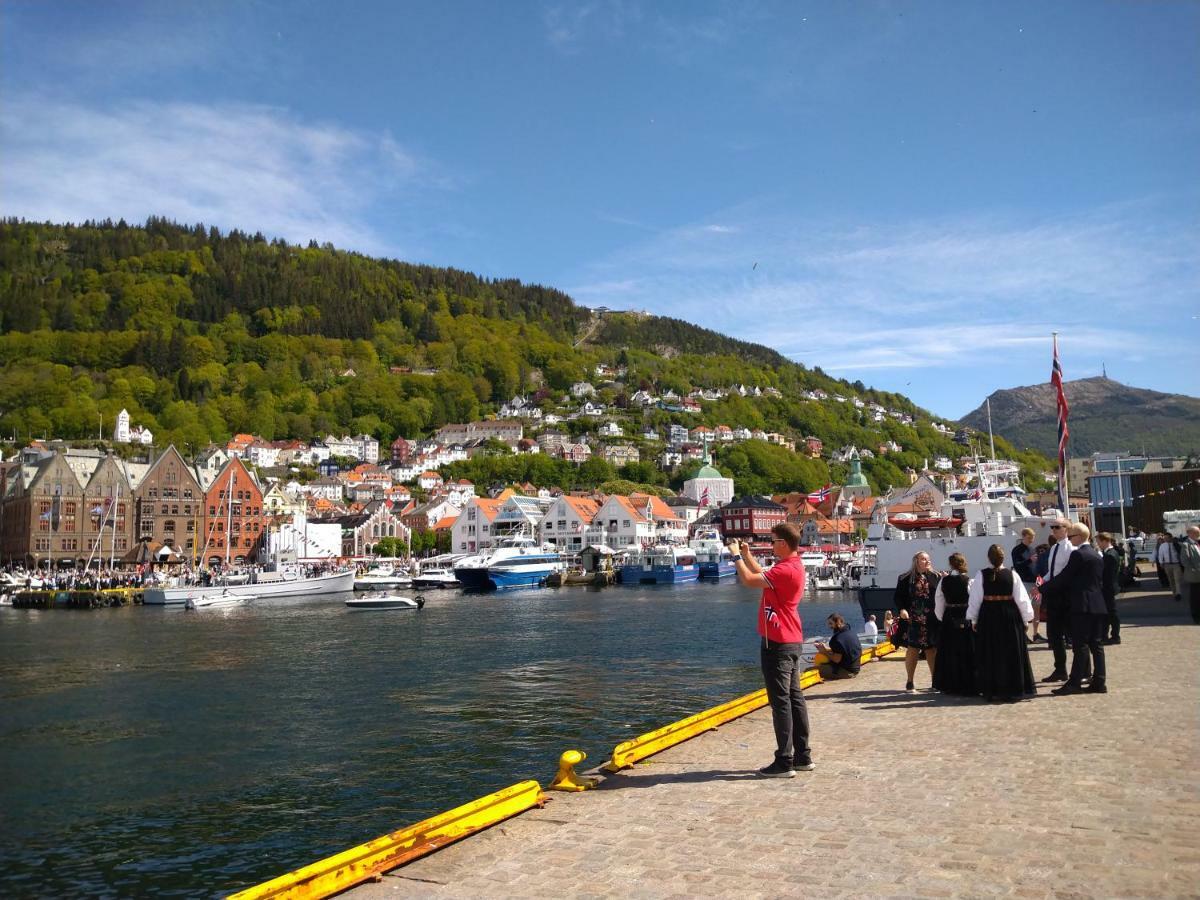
658,506
634,512
489,507
445,524
429,473
585,507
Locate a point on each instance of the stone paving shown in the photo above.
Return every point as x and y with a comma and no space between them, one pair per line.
913,795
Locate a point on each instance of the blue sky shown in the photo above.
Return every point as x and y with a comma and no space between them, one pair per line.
911,194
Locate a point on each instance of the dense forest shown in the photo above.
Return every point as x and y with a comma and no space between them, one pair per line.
201,334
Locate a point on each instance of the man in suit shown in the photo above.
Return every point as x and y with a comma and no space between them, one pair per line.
1057,607
1112,576
1081,584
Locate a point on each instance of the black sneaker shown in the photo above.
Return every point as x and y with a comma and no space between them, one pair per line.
778,769
804,767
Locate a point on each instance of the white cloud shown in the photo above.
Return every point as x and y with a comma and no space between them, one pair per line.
952,294
230,165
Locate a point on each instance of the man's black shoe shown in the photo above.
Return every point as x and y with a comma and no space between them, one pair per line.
1096,687
1056,675
778,769
1067,689
1108,642
1038,639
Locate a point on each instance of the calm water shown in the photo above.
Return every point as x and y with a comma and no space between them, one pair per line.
183,753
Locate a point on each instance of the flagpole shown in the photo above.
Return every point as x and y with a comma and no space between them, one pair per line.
1063,432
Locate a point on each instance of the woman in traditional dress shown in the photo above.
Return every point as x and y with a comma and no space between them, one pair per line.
914,598
955,672
999,609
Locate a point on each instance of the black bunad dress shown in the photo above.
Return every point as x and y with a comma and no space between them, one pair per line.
1002,670
955,669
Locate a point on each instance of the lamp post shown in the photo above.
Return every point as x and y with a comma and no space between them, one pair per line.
1121,498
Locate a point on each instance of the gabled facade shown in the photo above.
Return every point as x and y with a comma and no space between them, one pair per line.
566,520
233,517
472,530
168,505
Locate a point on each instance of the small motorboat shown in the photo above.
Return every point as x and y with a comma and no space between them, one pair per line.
216,601
436,578
381,578
384,601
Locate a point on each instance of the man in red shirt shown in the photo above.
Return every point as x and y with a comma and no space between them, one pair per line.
781,635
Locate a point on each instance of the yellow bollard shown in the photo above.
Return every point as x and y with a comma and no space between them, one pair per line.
566,779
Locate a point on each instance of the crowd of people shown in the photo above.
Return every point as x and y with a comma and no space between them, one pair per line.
974,628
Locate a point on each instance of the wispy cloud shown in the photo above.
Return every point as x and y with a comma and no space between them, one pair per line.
949,293
231,165
569,25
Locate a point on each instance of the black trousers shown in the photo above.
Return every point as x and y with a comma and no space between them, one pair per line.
781,667
1087,649
1192,590
1058,620
1112,627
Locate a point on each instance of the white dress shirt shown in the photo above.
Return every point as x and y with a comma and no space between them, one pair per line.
1167,554
1020,597
1059,554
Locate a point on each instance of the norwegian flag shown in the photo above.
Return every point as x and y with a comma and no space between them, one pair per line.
1056,379
820,496
704,497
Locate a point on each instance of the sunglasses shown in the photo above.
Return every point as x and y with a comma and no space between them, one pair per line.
1057,527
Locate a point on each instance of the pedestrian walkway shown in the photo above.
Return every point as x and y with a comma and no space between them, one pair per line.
913,795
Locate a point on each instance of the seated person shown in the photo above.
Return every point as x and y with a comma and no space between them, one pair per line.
843,651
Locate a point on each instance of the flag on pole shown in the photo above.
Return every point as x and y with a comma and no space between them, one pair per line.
820,496
1056,379
704,497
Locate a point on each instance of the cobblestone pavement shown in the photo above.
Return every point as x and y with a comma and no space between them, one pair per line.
913,795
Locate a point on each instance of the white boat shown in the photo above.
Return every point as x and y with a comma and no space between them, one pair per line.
518,561
383,601
262,585
381,578
217,601
989,510
435,578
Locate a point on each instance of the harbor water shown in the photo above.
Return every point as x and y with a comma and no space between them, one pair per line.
176,753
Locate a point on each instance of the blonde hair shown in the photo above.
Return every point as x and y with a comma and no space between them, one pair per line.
913,571
1079,528
1027,532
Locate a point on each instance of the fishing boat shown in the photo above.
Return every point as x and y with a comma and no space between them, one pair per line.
381,578
988,510
712,556
383,601
593,566
661,564
518,561
260,586
225,598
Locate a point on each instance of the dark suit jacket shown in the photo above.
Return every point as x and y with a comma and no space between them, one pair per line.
1112,568
1080,583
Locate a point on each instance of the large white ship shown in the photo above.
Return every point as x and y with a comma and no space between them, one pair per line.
259,586
990,509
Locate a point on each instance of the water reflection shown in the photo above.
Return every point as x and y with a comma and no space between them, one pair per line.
176,753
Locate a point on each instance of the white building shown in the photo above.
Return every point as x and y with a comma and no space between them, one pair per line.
121,431
710,489
472,530
566,521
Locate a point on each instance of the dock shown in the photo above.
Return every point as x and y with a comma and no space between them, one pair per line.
912,795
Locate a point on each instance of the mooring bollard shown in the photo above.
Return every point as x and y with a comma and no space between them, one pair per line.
566,779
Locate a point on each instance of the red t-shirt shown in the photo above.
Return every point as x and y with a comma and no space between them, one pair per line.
779,613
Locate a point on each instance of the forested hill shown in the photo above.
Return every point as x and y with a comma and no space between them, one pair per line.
201,334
